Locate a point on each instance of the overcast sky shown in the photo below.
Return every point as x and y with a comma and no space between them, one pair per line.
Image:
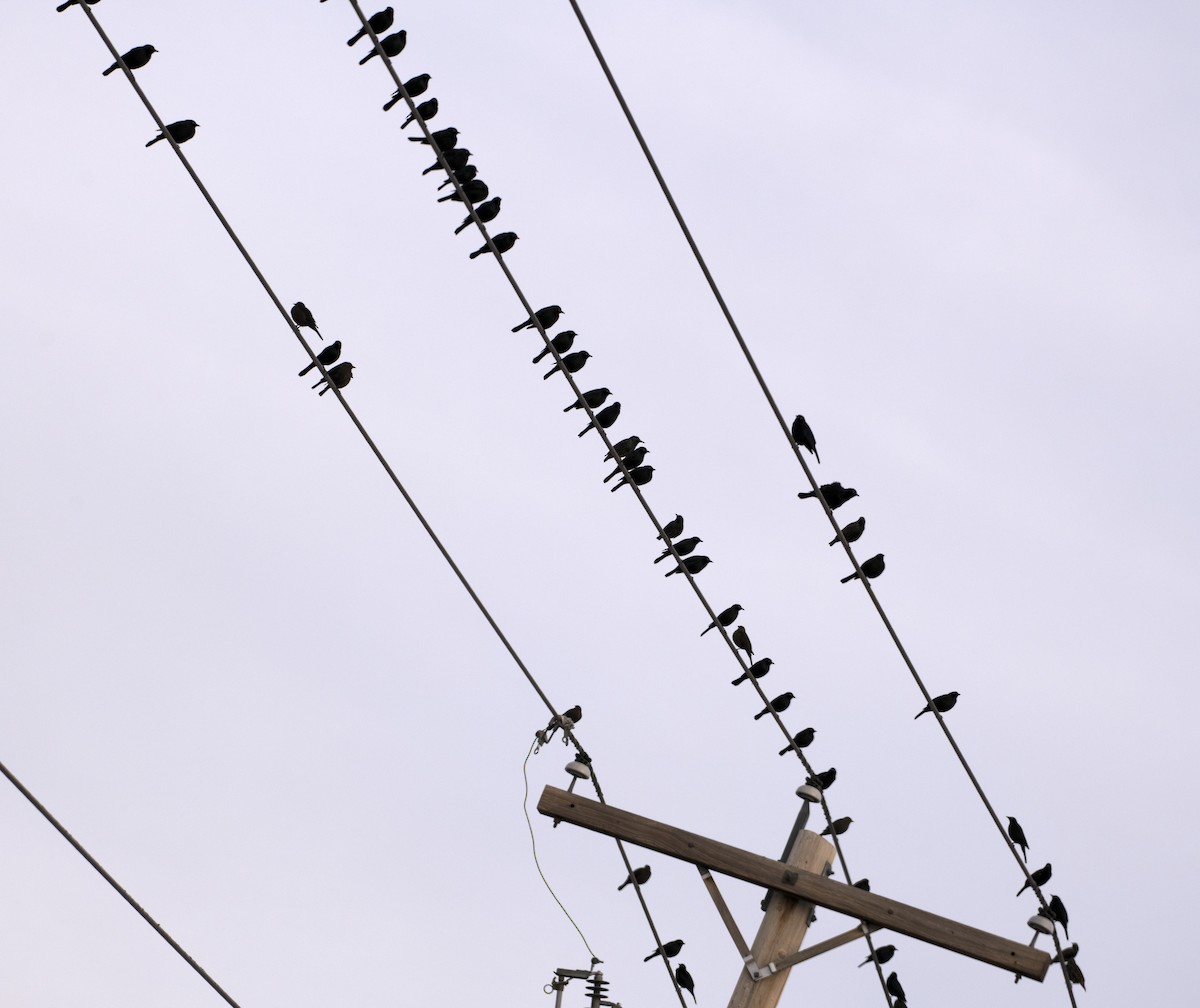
961,239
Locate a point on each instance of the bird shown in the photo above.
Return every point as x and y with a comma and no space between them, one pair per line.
639,875
778,705
1017,836
380,22
304,318
692,564
443,139
570,364
801,740
572,714
942,703
1075,974
823,780
1059,913
474,191
837,827
426,111
590,399
546,318
863,884
872,568
834,494
632,461
893,986
135,59
71,3
339,375
566,720
414,86
1040,877
674,527
668,951
181,132
756,671
503,242
485,211
882,954
684,979
637,477
683,547
604,419
455,159
561,343
852,532
391,46
741,640
326,356
723,619
1067,954
803,436
462,176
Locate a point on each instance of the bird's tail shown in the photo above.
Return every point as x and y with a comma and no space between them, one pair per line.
357,35
459,230
157,138
619,485
849,577
585,429
367,57
666,553
703,632
479,252
442,199
550,372
926,711
62,7
115,66
622,885
833,541
784,751
397,97
762,713
518,328
318,332
325,389
741,679
650,956
306,370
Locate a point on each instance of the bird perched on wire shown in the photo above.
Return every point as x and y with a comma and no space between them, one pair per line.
639,875
456,160
1075,974
571,363
485,211
835,494
675,526
415,86
339,376
823,781
863,884
181,132
682,548
590,399
503,242
685,981
837,827
872,568
327,356
893,986
882,954
668,951
637,477
1059,913
1040,877
1067,954
304,319
380,22
546,318
604,419
852,532
803,436
474,191
561,343
462,176
631,461
942,704
425,111
741,640
756,671
778,705
723,618
392,46
801,740
1017,836
443,139
693,565
135,59
71,3
566,721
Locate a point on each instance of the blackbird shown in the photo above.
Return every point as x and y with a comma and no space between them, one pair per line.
756,671
801,740
561,343
723,619
803,436
380,22
684,979
1075,974
639,875
304,318
852,532
135,59
1059,913
682,548
1017,836
591,399
673,528
778,705
455,160
503,242
837,827
485,211
426,111
632,461
181,132
443,139
834,493
391,46
824,780
414,86
894,988
638,477
943,703
546,318
604,419
474,191
872,568
339,375
668,951
692,564
882,954
1040,877
571,363
741,640
326,356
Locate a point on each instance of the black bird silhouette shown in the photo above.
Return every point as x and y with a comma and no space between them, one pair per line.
326,356
561,343
853,532
181,132
834,493
474,191
604,419
504,241
1040,877
882,954
1017,836
71,3
414,86
756,671
485,211
339,375
591,399
639,875
803,436
824,780
741,639
572,714
638,477
1075,974
546,318
943,703
863,884
1059,913
443,139
683,548
893,986
801,740
426,111
456,160
462,177
304,318
723,618
1067,954
872,568
135,59
684,979
571,363
380,22
392,46
778,705
634,459
837,827
675,526
669,950
693,565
